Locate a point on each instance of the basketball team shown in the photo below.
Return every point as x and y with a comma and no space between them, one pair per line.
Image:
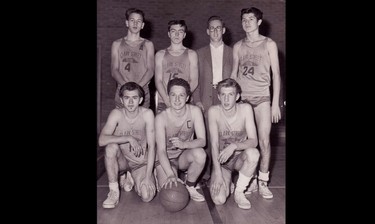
213,107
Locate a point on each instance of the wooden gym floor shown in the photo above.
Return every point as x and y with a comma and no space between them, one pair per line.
131,209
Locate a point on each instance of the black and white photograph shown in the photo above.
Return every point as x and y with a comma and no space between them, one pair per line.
191,111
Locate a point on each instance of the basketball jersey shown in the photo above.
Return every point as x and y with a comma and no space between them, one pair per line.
135,127
133,65
254,69
175,67
184,131
232,129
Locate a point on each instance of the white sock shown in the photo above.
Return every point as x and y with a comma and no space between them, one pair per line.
264,176
242,182
114,186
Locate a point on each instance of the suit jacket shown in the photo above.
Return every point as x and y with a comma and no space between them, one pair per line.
205,93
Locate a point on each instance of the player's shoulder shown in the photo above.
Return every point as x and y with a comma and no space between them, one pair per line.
118,41
194,109
161,116
238,43
228,47
160,52
191,51
115,112
148,42
147,111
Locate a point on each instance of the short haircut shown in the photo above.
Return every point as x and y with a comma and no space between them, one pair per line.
229,82
215,18
257,13
179,82
130,86
134,10
180,22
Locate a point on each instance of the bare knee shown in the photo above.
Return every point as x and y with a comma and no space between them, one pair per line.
111,150
219,199
146,196
252,155
199,155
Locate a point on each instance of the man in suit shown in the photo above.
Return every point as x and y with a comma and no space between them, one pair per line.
215,62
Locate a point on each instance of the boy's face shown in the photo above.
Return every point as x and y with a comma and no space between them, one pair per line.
135,23
176,33
131,100
228,97
250,22
178,97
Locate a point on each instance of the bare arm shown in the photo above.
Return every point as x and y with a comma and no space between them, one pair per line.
200,133
197,92
161,144
150,63
236,60
106,135
273,52
214,136
115,72
150,133
217,180
193,57
159,76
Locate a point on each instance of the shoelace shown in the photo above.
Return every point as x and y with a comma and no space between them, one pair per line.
113,195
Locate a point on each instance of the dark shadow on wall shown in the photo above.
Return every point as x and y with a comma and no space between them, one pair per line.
146,32
227,37
189,40
265,28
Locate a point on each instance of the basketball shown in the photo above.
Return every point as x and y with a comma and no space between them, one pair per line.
174,199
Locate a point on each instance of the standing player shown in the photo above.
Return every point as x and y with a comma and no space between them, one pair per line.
233,144
176,147
254,59
129,140
132,57
176,61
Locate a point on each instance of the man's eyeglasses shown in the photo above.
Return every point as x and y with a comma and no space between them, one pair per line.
212,29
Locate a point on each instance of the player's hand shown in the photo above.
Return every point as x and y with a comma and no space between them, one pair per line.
135,147
226,153
216,184
170,180
177,143
276,114
149,185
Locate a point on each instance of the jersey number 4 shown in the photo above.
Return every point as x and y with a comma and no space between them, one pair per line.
127,67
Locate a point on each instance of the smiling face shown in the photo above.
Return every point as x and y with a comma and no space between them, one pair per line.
178,97
250,22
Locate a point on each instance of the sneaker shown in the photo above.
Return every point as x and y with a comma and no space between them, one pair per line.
112,199
241,200
264,191
194,194
129,182
253,186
